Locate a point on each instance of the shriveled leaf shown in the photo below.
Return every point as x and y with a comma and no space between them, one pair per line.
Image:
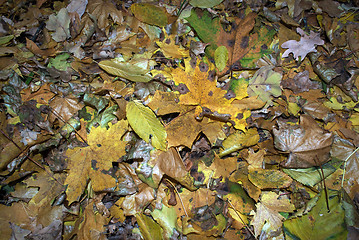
264,84
239,140
307,144
146,125
102,10
306,45
150,14
136,72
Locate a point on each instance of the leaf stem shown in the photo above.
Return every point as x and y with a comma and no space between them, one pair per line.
184,209
345,164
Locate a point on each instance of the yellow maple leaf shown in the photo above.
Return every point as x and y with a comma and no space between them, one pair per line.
94,161
199,88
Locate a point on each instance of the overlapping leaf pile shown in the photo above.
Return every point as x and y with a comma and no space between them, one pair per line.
180,120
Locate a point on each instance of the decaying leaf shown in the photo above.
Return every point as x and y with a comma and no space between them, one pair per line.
150,14
137,71
307,144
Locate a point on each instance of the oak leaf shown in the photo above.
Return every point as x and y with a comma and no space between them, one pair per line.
94,161
306,45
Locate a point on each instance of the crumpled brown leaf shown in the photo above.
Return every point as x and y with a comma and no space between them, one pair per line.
308,145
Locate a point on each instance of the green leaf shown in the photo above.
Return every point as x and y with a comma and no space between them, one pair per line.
259,46
150,14
239,140
264,84
60,62
312,176
145,123
149,228
205,3
135,72
206,28
167,218
319,223
6,39
221,57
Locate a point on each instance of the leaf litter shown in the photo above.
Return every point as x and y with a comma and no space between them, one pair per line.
179,120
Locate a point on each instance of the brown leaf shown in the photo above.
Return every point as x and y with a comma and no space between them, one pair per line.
307,144
65,107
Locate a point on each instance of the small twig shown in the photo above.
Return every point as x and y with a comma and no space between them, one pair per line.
345,164
63,120
184,209
249,229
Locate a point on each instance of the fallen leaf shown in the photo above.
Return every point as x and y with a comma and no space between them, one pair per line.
306,45
264,84
94,161
137,71
319,223
150,14
145,123
239,140
60,24
102,10
307,144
